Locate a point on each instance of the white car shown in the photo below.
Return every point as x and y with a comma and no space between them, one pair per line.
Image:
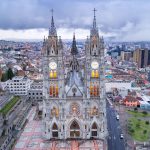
121,136
117,117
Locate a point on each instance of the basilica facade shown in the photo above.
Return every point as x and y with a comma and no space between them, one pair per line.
74,105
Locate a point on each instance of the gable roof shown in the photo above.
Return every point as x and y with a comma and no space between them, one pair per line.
74,91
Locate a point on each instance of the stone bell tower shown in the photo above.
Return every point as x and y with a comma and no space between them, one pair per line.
74,107
94,83
53,82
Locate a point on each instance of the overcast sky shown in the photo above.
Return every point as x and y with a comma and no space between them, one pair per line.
126,20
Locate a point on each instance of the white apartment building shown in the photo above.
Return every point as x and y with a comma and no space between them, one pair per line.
123,85
19,85
119,84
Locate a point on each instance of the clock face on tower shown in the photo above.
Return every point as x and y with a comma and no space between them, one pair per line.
52,65
94,65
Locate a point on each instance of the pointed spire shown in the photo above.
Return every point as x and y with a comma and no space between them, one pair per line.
94,29
94,20
74,38
44,42
87,40
52,30
74,50
60,43
102,39
74,62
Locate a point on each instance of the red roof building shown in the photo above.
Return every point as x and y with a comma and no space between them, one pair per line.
131,101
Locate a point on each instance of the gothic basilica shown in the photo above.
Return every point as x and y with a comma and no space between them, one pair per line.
74,105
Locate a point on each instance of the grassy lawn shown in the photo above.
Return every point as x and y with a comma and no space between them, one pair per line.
138,114
138,129
9,105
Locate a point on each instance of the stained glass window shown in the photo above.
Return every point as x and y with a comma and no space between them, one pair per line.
53,74
53,90
94,89
94,74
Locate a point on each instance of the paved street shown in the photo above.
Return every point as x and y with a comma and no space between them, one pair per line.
114,141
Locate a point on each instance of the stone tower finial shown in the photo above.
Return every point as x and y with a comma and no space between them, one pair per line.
94,20
52,30
74,50
87,38
60,43
94,29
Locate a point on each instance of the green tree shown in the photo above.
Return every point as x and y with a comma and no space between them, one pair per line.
145,131
4,77
138,125
145,113
132,130
135,109
10,74
147,122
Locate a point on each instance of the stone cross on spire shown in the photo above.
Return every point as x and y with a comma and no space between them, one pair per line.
52,11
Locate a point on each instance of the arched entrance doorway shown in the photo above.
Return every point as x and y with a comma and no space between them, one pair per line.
55,131
94,130
74,130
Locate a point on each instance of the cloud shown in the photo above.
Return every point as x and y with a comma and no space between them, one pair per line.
66,33
124,19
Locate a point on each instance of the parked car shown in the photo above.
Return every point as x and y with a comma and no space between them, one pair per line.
117,117
121,136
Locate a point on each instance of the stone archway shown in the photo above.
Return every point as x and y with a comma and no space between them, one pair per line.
74,130
55,130
94,130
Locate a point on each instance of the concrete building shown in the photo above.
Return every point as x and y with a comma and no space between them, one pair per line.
3,85
119,84
145,105
19,85
149,76
75,106
131,101
35,92
140,56
149,57
126,56
12,120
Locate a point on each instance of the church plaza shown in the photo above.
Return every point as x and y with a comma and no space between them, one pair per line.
31,139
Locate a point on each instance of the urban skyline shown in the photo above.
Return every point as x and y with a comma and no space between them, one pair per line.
74,75
116,19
